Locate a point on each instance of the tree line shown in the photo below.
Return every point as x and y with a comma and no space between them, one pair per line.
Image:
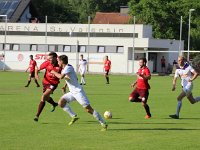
163,15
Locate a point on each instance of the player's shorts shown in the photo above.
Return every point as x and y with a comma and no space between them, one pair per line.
80,97
188,88
32,74
82,71
106,72
142,93
49,86
163,65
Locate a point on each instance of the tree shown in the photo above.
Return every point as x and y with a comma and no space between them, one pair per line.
164,16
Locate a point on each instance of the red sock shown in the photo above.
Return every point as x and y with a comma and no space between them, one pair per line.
40,108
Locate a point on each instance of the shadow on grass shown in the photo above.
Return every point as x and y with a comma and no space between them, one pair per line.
183,118
113,122
156,129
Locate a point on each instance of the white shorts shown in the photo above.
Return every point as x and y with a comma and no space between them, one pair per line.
82,71
188,89
80,97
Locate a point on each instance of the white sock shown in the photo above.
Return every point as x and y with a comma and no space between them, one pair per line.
69,110
83,80
178,108
98,117
197,99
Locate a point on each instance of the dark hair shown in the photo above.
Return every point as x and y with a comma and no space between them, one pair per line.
64,58
53,54
31,56
82,55
144,60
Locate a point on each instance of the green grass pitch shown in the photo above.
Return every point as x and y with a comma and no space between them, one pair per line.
127,130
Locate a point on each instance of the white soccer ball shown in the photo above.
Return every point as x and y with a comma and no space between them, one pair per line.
107,114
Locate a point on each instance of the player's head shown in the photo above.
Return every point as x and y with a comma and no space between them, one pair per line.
142,62
106,57
52,57
31,57
62,60
181,60
81,56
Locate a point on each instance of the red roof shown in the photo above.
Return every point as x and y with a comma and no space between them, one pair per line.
111,18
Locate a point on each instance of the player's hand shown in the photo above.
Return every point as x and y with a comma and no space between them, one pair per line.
132,85
173,88
37,77
189,80
52,71
63,90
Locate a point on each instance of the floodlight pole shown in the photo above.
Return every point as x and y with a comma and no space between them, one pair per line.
188,56
5,40
89,19
181,22
133,55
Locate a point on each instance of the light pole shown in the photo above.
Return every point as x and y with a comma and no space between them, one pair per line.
6,21
188,55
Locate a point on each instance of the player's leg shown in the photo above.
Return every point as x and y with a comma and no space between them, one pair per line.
63,103
134,96
179,105
107,76
83,100
45,97
29,80
36,82
144,94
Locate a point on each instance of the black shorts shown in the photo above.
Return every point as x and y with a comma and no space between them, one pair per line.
106,72
163,65
32,74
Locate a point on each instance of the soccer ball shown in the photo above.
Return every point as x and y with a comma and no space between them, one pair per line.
107,115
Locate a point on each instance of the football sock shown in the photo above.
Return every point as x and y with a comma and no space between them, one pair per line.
69,110
29,81
51,101
37,82
98,117
107,79
197,99
178,108
147,109
40,108
83,80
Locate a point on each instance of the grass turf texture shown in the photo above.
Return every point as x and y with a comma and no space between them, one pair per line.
127,130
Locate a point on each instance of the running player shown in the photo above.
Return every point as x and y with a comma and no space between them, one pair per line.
82,69
107,67
76,92
50,82
31,68
187,75
141,92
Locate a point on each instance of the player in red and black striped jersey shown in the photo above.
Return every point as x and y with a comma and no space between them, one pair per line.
141,92
50,82
31,68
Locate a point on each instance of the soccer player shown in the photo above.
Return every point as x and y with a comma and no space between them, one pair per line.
162,62
50,82
82,69
107,66
141,92
76,92
187,75
31,68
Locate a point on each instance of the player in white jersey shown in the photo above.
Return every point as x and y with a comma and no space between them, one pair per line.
76,92
187,75
82,69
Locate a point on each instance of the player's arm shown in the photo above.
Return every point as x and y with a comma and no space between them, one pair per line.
195,75
64,88
27,69
174,83
36,72
133,84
